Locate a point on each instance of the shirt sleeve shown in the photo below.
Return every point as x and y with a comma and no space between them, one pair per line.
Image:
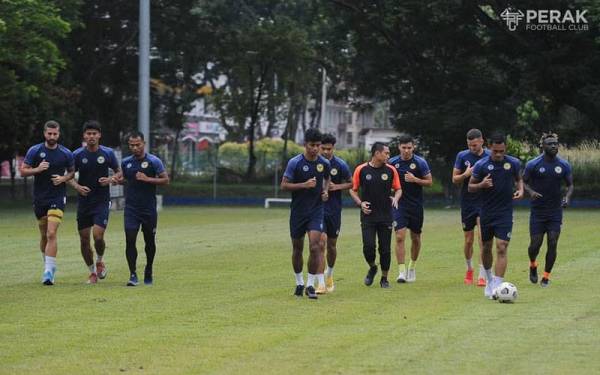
567,169
112,159
30,156
458,163
158,165
517,168
345,170
425,170
356,177
396,179
477,171
289,170
327,171
70,160
527,170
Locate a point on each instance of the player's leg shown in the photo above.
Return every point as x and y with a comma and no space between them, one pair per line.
487,257
401,253
536,238
149,232
55,216
100,224
502,232
369,232
314,257
415,225
322,289
132,225
331,258
297,233
384,239
481,278
86,252
43,227
468,251
551,254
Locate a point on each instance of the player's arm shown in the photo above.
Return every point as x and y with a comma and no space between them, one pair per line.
325,190
570,187
118,178
58,179
397,188
426,181
458,176
162,179
475,184
105,181
82,190
27,170
518,194
293,186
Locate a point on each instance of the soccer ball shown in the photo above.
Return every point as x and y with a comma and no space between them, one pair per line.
506,293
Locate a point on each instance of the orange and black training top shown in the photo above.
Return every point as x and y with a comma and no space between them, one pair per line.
376,185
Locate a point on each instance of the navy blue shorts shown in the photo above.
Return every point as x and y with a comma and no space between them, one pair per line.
332,225
93,215
134,219
468,217
300,225
408,218
545,222
41,208
500,228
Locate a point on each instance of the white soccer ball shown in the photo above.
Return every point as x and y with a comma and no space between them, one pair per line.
506,292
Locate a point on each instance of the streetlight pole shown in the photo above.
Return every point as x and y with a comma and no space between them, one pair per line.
144,72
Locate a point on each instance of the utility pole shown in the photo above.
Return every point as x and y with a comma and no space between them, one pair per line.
144,72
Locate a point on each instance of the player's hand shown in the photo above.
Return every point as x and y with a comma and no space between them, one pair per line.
310,183
117,179
535,195
324,196
332,186
518,194
487,182
57,179
409,177
43,166
565,202
104,181
365,207
83,190
468,172
140,176
395,202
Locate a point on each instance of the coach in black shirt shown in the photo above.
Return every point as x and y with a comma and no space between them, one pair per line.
376,180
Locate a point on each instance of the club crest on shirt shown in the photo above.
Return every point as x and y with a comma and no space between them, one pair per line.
384,177
397,165
84,160
334,172
557,169
506,166
490,167
144,164
368,177
42,154
412,166
320,168
467,163
100,159
128,165
305,168
542,170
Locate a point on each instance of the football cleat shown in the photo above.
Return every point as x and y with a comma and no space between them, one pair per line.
299,290
329,284
384,283
93,278
412,275
101,270
370,276
401,278
545,282
321,289
469,277
310,292
533,276
133,280
488,292
48,278
481,281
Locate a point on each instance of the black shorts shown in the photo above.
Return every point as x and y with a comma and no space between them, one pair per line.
409,218
332,225
93,215
468,216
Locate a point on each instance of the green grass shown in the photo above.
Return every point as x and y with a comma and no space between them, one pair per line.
222,303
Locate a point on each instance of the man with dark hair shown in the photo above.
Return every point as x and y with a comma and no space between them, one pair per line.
340,180
375,180
142,172
495,177
470,203
52,166
93,161
543,178
414,173
307,177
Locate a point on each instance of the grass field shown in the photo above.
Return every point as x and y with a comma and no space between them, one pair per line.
222,303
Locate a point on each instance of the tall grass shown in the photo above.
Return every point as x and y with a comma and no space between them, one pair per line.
585,161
